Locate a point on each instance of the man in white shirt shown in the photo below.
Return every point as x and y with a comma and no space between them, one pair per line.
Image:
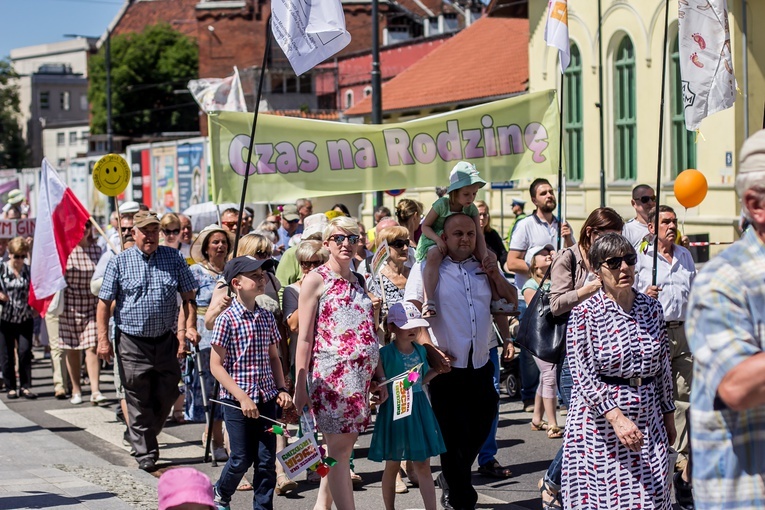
187,233
674,277
463,396
636,229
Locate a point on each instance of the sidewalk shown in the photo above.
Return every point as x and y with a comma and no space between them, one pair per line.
39,469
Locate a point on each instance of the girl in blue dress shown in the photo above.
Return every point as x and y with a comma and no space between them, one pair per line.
416,437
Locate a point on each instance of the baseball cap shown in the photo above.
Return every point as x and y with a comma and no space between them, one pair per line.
531,252
290,212
15,196
314,224
406,316
145,218
184,485
464,174
129,207
752,154
244,264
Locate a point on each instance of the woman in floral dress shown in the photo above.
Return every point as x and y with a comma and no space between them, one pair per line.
337,354
621,419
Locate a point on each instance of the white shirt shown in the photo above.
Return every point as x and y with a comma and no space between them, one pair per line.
463,300
529,232
635,232
674,279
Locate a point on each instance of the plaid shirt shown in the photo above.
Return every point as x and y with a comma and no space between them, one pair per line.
146,290
246,336
726,326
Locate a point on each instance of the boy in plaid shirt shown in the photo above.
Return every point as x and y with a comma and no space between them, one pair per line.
245,361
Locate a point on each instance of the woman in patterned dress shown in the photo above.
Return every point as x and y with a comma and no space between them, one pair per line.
621,420
338,354
393,274
77,323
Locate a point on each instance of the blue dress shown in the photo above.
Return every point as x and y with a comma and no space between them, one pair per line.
416,437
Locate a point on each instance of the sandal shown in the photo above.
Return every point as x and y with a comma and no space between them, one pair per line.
27,393
550,499
494,469
429,310
554,432
13,394
244,486
538,427
284,485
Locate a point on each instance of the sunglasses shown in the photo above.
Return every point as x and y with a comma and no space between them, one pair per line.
17,256
645,200
173,232
292,222
616,262
263,254
311,264
229,224
126,229
340,239
399,243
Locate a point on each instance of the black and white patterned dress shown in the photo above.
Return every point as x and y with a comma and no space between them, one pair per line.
604,340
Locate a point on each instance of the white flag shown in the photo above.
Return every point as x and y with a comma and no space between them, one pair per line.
219,94
706,64
309,31
556,30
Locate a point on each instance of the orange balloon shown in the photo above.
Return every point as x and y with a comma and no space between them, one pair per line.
690,188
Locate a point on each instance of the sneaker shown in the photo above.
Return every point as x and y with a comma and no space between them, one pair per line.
502,307
219,503
220,454
76,399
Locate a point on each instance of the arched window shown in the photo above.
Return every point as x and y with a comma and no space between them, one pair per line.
573,118
367,91
348,99
625,117
683,143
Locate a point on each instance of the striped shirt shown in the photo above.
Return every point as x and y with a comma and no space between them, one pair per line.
146,289
725,327
246,335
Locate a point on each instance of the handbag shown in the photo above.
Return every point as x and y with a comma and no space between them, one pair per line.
541,332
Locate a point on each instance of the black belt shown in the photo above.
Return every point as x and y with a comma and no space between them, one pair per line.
632,381
675,324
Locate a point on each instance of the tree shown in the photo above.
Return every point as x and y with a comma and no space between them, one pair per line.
146,68
14,152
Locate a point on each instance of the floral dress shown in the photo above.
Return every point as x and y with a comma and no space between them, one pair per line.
345,355
605,341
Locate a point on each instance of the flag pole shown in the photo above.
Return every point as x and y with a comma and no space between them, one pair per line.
560,161
661,143
258,95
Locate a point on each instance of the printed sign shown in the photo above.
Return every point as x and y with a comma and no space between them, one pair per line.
381,257
17,228
299,456
402,400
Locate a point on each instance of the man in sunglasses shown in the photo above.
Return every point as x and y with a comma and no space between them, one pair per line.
674,276
290,226
725,329
636,229
229,220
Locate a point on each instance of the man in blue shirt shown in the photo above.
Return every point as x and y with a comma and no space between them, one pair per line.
145,281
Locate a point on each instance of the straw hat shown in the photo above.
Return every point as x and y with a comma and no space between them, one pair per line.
199,242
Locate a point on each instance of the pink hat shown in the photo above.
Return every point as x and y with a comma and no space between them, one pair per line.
184,485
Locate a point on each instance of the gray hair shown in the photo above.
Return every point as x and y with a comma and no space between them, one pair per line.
607,246
310,247
343,223
754,181
268,234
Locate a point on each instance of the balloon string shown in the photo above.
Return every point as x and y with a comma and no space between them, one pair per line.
682,226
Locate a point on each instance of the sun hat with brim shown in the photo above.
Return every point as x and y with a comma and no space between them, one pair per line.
531,252
196,246
145,218
464,174
129,207
245,264
15,196
314,224
406,316
184,486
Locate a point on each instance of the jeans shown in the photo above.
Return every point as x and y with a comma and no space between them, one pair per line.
565,383
489,448
250,444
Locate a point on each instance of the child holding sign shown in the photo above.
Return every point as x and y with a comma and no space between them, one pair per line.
406,428
245,361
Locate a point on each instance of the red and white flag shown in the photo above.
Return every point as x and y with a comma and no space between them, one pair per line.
556,30
706,63
61,220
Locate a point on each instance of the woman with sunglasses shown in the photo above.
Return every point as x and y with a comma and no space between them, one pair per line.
170,226
77,323
16,320
622,408
389,283
572,280
338,354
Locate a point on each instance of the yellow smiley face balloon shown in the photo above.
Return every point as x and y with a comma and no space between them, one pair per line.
111,175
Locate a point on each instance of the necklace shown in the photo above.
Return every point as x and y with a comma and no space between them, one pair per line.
209,267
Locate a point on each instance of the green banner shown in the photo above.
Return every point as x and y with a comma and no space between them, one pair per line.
508,139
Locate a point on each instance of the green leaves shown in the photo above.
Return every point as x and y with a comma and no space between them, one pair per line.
13,151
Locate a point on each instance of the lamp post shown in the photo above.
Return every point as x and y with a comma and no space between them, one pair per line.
108,65
376,79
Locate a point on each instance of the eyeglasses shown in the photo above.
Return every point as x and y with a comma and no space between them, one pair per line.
126,229
340,239
19,256
645,200
310,264
229,224
173,232
262,254
399,243
616,262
